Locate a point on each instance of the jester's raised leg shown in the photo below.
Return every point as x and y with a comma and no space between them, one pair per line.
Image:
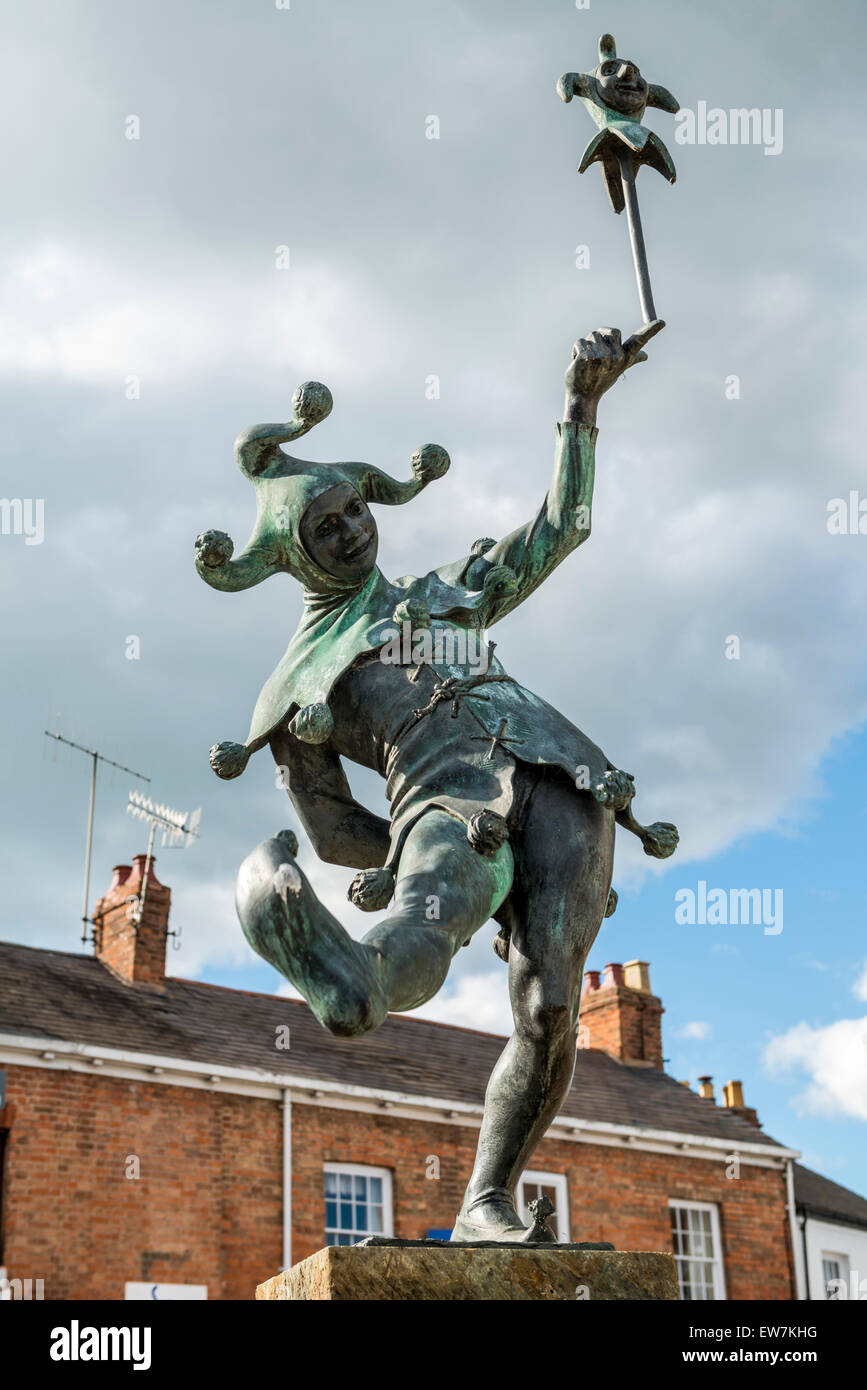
287,925
445,891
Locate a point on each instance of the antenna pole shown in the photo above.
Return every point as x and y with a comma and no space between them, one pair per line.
138,914
84,916
97,759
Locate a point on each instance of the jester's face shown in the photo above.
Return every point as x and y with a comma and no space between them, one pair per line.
339,534
621,86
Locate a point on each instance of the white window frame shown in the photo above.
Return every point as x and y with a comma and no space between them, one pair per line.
842,1262
716,1263
365,1170
561,1186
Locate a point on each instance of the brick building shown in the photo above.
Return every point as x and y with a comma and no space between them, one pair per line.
166,1132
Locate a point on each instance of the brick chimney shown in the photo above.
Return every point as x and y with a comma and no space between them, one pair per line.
134,953
620,1016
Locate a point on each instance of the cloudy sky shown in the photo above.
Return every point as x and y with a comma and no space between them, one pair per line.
145,322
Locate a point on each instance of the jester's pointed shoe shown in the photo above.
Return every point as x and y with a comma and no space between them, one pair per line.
492,1217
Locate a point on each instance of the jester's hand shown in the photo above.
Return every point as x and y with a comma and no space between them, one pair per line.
213,549
598,361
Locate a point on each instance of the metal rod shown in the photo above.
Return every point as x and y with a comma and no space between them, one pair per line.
636,238
92,753
84,913
97,759
139,912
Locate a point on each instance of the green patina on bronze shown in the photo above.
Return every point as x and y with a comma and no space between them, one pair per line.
616,95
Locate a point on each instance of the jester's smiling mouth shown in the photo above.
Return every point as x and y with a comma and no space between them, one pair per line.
359,550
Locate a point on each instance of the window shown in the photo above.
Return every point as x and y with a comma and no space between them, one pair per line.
357,1203
697,1250
835,1275
551,1185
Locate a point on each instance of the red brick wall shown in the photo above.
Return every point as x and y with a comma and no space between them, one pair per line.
207,1207
616,1194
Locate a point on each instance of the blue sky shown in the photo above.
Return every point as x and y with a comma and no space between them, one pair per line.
456,258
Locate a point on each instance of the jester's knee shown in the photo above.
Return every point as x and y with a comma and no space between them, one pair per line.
352,1013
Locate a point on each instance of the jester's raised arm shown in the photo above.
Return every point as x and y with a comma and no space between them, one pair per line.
532,552
262,460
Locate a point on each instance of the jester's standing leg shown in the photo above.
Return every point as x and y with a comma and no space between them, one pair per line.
564,853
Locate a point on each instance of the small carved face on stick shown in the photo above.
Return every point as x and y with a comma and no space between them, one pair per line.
621,86
339,534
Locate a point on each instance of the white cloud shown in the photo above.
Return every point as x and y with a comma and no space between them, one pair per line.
211,934
69,315
698,1030
859,989
478,1001
833,1058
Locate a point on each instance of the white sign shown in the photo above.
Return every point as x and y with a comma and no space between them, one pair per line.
162,1292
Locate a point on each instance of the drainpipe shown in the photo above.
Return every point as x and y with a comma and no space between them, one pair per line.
806,1260
793,1227
287,1178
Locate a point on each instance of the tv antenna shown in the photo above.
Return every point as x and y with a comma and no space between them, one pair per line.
97,759
176,827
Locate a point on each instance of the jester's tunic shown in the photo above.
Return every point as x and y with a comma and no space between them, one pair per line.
450,758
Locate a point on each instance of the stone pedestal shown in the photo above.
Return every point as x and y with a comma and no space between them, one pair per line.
459,1272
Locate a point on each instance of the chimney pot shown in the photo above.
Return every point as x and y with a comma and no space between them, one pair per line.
705,1087
121,874
613,975
733,1094
636,975
138,863
591,980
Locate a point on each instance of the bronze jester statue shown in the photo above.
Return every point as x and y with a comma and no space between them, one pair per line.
500,807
